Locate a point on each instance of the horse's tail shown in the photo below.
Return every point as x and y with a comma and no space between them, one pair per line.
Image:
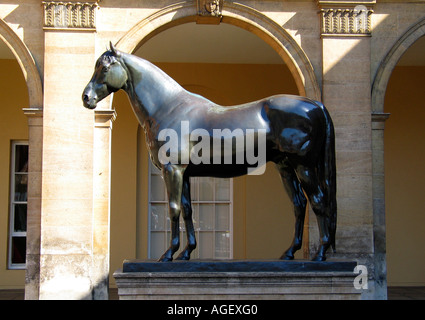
327,172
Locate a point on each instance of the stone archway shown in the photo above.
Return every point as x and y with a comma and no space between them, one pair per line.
389,62
27,64
379,117
35,133
238,15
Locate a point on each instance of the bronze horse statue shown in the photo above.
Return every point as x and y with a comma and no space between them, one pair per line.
298,137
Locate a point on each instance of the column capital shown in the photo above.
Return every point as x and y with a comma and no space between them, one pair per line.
346,18
104,118
34,115
33,112
378,120
67,15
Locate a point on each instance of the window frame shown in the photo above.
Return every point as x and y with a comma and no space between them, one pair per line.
195,203
12,203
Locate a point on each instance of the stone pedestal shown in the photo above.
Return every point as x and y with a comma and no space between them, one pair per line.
244,280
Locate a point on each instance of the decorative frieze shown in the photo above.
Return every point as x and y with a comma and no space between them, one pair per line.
70,15
210,8
346,21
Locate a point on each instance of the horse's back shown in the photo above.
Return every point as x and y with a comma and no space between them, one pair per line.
297,105
297,124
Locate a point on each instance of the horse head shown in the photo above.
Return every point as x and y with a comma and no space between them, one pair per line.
109,76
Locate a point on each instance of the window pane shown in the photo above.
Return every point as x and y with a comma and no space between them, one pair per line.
206,189
19,246
157,244
222,189
206,245
195,215
21,158
222,245
206,217
158,217
222,217
183,240
157,189
21,183
20,221
194,189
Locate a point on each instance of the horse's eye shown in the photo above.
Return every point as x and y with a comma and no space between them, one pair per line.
105,69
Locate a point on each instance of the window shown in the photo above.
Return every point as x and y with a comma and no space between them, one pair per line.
212,217
18,205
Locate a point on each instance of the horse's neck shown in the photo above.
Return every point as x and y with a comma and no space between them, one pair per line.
150,88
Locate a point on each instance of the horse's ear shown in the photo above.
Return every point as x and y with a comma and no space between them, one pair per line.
113,49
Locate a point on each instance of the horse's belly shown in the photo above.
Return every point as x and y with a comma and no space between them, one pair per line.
218,170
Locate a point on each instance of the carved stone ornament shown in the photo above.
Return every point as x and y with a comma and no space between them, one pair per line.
346,21
70,15
210,8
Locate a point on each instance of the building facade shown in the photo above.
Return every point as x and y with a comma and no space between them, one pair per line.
79,195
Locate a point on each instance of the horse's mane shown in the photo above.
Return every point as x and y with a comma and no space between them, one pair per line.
159,72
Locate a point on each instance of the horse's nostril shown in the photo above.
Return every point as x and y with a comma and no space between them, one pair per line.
85,98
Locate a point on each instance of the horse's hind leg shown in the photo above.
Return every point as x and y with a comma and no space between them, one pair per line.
311,185
187,216
173,178
295,192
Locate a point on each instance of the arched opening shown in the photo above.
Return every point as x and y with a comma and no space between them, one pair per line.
26,62
397,100
230,72
21,139
225,81
129,194
239,15
404,170
13,169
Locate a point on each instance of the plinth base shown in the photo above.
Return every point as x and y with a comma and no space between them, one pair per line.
247,280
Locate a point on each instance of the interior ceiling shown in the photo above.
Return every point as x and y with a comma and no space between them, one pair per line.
222,43
5,52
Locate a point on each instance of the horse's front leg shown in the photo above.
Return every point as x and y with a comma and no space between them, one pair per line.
187,216
173,178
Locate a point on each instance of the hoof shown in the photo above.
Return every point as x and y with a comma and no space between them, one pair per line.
183,256
287,256
319,258
165,259
284,257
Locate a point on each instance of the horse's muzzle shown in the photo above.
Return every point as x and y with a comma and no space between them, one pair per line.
88,103
89,100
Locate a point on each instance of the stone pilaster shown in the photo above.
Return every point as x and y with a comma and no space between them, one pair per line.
68,258
346,45
101,201
379,225
35,143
